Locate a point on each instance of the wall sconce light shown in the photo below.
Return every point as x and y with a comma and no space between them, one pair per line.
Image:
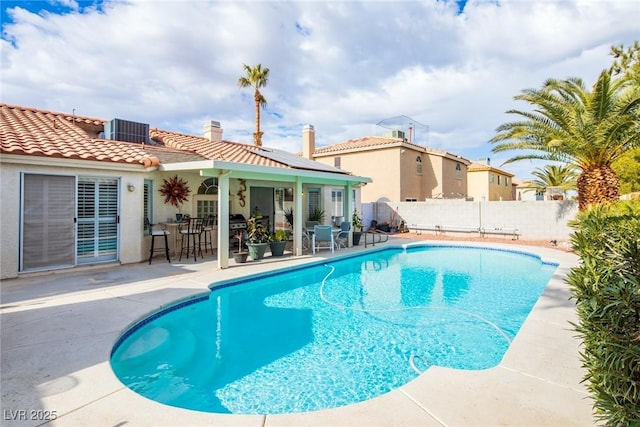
131,187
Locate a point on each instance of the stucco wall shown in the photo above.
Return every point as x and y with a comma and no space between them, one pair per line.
131,222
383,166
9,220
450,184
534,219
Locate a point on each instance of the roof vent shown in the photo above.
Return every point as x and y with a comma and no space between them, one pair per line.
124,130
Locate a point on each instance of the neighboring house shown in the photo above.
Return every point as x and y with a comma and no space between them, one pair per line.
76,190
527,192
486,182
400,170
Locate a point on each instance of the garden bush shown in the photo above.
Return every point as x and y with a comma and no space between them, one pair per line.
606,288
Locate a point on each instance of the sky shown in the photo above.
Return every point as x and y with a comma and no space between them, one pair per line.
452,68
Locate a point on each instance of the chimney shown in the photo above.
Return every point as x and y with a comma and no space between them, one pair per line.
485,161
213,131
308,142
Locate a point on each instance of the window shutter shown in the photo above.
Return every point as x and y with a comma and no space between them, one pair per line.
47,221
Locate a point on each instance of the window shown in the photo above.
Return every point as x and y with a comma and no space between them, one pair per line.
499,179
410,199
206,198
336,162
458,171
206,207
491,178
208,186
419,165
313,201
506,181
337,204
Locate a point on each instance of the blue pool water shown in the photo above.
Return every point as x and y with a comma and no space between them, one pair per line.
332,334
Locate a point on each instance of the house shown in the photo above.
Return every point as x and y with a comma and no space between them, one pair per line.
76,190
400,170
486,182
527,192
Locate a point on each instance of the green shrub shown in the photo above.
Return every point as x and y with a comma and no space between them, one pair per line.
606,288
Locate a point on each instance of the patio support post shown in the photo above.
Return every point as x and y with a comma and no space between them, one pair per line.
349,210
223,219
297,219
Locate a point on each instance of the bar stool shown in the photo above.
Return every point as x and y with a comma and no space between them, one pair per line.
207,232
153,234
189,234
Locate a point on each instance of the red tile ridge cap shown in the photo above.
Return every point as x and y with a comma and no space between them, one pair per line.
150,161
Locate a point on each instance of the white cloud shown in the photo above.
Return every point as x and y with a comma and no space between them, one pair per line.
342,66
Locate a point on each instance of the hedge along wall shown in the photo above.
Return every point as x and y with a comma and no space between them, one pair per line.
534,219
606,287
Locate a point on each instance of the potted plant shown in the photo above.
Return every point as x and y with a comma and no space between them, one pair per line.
356,220
278,242
316,215
241,255
258,237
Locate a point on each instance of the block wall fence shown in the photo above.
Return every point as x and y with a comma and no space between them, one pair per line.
535,220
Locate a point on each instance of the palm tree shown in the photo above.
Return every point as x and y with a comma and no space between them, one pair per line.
256,77
562,176
589,129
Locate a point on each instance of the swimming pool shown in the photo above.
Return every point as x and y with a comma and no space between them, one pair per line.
334,333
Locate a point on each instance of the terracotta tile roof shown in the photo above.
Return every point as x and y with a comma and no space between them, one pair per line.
33,132
364,143
477,167
379,142
29,131
218,150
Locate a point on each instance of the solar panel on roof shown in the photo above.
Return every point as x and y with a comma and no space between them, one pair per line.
296,161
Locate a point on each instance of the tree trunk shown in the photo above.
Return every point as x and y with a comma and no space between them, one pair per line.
257,137
597,185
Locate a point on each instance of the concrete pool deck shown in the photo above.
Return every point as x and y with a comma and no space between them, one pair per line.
58,328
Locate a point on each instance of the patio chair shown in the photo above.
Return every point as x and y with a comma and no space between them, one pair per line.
342,238
307,232
322,238
190,235
308,226
153,233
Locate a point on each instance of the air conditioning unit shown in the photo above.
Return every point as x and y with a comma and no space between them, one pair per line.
397,134
127,131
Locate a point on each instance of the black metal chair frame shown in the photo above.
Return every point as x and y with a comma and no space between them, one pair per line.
207,232
191,237
153,235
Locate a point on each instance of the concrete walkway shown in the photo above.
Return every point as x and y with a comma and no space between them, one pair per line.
58,328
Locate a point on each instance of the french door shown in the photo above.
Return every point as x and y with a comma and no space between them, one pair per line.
67,220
